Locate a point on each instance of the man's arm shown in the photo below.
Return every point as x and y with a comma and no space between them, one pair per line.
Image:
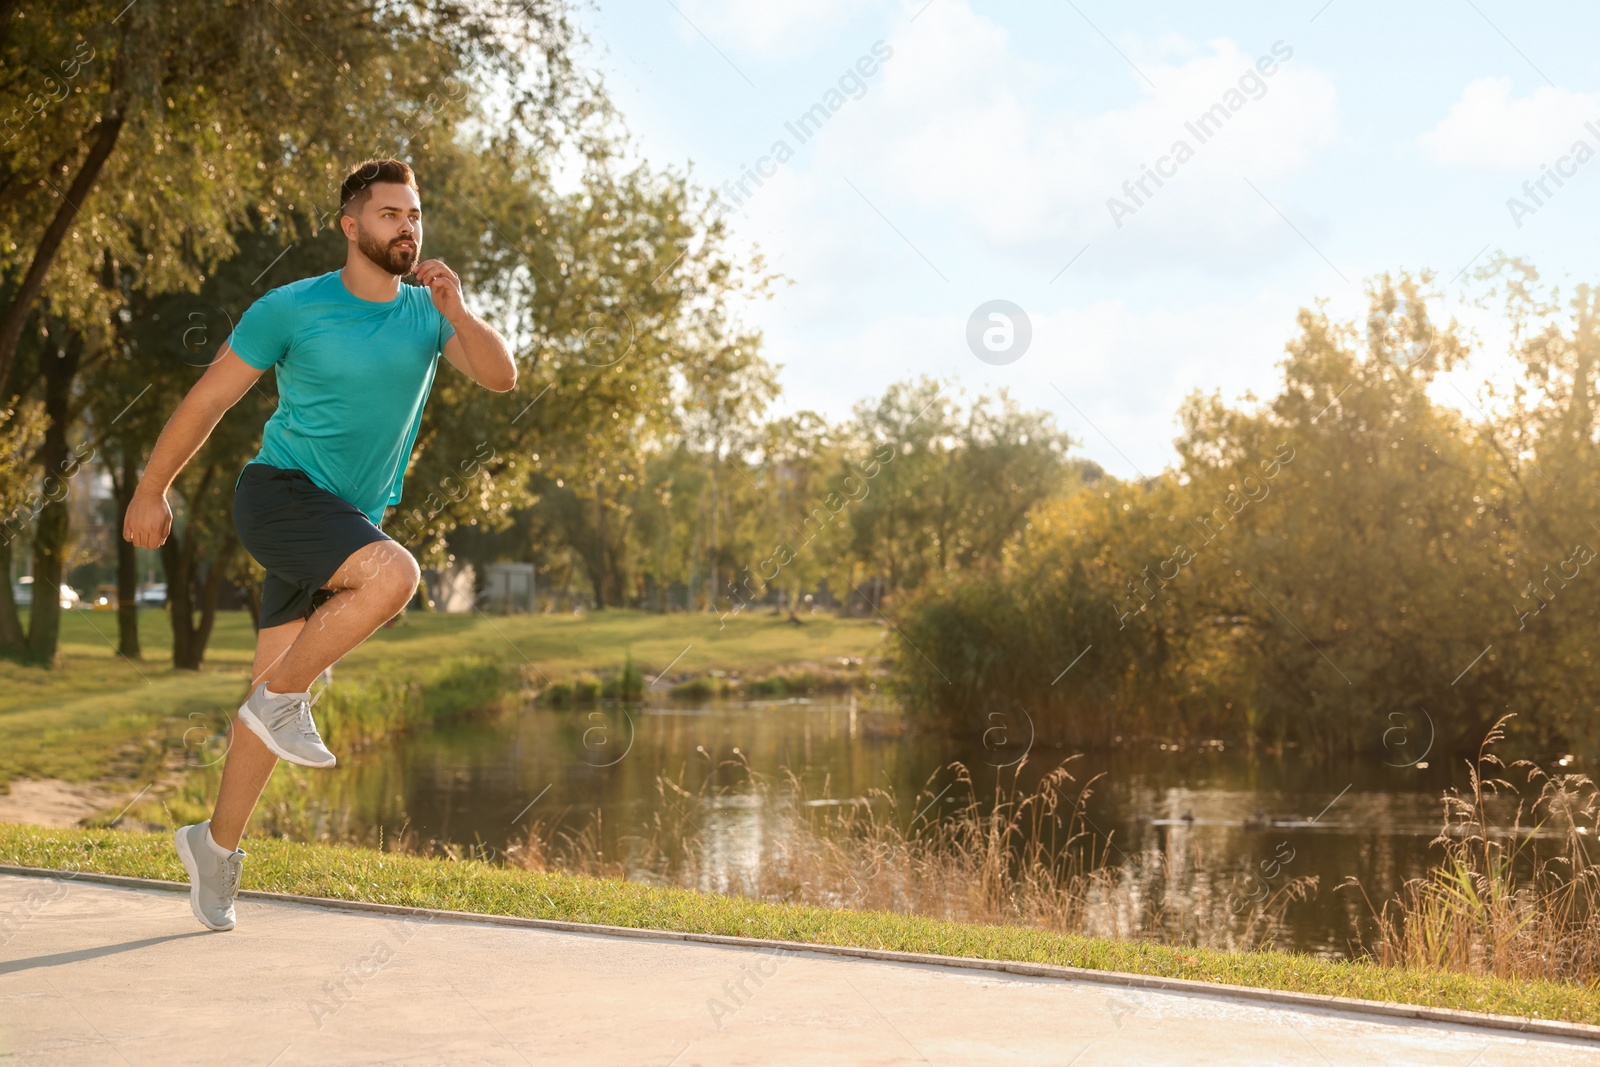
481,354
149,518
476,349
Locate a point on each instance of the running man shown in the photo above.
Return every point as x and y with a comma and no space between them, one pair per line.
355,353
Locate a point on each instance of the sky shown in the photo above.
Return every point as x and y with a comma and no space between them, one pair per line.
961,153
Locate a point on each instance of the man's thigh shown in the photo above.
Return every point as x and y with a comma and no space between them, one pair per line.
380,560
300,534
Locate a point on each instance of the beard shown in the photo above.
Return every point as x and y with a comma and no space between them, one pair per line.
397,261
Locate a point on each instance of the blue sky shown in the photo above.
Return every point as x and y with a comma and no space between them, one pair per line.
976,161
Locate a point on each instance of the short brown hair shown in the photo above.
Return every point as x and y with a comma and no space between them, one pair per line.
357,187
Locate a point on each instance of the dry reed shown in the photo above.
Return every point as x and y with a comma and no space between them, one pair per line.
1499,903
1029,857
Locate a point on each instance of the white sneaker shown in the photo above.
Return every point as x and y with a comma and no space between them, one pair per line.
213,879
284,724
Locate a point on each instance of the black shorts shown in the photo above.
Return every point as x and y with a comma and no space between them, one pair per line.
300,533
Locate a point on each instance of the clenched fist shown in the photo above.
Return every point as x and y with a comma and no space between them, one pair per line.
149,519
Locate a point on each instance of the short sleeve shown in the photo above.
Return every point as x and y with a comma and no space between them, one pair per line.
446,331
266,329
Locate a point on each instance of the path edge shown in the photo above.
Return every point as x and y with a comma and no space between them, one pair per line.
1320,1001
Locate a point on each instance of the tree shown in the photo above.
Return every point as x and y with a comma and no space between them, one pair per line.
21,427
614,298
155,156
136,146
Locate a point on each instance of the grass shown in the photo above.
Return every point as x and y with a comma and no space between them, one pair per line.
1500,901
1026,857
98,717
467,885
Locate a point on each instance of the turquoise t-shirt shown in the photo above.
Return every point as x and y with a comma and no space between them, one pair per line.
353,376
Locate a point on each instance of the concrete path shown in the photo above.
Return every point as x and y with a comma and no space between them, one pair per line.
97,974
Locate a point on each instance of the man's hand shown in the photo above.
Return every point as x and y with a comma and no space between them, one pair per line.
149,519
476,349
444,285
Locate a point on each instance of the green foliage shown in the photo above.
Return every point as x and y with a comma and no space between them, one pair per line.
558,695
699,689
139,170
357,713
266,117
585,689
632,458
626,684
1315,566
721,511
797,683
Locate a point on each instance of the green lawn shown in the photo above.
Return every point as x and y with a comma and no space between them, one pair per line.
96,716
388,878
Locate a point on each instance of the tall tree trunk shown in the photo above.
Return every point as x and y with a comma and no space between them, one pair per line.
123,483
12,639
716,569
104,139
177,558
216,579
188,593
52,531
50,537
602,585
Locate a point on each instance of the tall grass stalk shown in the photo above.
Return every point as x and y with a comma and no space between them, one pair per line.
1501,901
1029,857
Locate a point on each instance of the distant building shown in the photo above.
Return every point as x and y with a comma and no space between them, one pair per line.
508,588
454,590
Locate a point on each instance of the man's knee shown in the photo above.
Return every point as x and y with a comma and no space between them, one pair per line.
392,569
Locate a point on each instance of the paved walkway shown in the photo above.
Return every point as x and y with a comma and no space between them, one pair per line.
97,974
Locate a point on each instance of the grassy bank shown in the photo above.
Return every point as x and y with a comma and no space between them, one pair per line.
98,717
360,874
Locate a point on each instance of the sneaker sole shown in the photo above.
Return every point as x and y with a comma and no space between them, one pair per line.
181,840
259,728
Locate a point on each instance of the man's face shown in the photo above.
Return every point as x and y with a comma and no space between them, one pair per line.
389,227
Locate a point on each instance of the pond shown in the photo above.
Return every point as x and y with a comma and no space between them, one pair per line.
1235,824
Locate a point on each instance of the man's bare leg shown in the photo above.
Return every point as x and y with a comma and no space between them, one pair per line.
249,763
371,587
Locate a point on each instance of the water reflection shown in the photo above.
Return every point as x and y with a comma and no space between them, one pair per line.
1224,823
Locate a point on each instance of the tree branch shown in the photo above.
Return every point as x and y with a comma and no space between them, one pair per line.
16,315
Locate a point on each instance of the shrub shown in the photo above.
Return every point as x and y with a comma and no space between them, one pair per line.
585,689
628,685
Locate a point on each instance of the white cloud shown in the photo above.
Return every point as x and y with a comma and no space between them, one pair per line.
968,146
962,128
1489,129
959,142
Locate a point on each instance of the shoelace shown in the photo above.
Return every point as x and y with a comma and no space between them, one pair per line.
296,713
231,870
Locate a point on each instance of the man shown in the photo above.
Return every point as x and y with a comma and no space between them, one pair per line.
355,353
